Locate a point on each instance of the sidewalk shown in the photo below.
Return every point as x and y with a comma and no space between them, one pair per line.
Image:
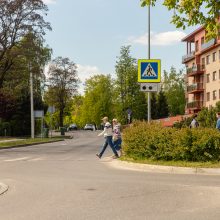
118,164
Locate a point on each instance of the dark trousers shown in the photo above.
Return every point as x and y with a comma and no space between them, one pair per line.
108,141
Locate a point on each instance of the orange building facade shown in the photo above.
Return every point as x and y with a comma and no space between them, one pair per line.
202,61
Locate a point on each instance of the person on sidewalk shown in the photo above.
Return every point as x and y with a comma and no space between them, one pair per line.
117,136
194,123
108,139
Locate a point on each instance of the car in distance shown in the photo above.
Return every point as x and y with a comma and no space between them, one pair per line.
90,127
72,127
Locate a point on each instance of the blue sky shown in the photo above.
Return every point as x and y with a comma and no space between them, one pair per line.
91,33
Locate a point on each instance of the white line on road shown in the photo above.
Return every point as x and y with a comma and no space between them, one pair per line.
17,159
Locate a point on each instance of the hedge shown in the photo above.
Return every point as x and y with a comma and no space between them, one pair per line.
152,141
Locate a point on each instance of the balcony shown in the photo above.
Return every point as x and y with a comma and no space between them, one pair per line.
196,69
188,57
195,88
195,104
208,44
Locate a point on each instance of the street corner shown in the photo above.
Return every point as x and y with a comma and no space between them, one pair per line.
3,188
124,165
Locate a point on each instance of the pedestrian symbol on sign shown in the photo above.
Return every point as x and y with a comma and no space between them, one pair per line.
149,71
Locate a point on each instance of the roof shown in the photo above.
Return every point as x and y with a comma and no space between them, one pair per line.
191,36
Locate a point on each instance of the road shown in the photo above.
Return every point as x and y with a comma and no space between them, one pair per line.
65,181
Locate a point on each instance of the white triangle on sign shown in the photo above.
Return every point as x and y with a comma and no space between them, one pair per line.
149,71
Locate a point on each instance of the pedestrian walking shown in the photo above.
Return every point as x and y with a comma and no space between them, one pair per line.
108,138
218,121
117,136
194,123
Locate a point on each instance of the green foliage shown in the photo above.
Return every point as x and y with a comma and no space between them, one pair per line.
191,13
153,141
98,101
127,93
174,88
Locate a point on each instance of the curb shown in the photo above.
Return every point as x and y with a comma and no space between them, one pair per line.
163,169
26,145
3,188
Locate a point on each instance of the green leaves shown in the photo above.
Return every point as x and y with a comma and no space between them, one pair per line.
193,12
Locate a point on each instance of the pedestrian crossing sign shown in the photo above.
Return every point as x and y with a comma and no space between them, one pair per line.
149,71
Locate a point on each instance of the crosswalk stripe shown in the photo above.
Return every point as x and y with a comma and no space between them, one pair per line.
16,159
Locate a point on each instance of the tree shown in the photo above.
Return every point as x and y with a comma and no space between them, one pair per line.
174,87
15,93
63,83
154,106
127,90
162,106
17,19
98,100
193,12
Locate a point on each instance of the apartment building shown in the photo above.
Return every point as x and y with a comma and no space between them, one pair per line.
202,62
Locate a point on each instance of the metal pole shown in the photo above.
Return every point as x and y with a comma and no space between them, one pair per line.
32,102
149,94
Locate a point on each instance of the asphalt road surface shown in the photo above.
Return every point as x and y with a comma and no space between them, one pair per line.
66,181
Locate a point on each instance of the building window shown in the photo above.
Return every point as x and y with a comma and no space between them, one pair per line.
207,60
202,40
214,57
214,77
214,95
208,78
208,96
203,63
197,45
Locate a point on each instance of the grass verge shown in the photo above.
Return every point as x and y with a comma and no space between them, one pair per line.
173,163
24,142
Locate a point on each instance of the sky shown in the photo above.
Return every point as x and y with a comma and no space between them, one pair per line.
92,32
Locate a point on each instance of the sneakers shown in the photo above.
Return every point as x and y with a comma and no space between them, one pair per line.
98,156
115,157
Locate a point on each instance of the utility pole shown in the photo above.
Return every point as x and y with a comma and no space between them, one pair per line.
149,94
31,101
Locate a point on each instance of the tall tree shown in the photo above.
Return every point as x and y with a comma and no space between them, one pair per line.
162,106
193,12
127,90
154,106
15,93
98,100
174,88
63,84
17,19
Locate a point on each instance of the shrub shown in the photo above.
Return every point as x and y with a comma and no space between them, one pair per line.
152,141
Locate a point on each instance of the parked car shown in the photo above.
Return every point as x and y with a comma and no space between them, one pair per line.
72,127
90,127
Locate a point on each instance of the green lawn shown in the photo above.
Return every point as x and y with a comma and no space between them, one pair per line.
28,141
174,163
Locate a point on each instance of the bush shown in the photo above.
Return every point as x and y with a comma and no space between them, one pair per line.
152,141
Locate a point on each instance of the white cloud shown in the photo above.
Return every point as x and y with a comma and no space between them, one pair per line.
49,1
159,39
85,72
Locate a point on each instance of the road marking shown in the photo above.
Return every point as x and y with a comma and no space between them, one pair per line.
36,159
17,159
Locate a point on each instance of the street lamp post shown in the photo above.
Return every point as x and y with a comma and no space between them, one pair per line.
31,101
149,94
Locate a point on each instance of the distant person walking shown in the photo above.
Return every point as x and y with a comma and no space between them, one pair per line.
194,123
108,138
117,136
218,121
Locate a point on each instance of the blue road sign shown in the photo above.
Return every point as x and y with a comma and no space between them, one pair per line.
149,71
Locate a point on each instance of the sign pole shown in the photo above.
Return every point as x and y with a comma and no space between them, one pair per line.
149,94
